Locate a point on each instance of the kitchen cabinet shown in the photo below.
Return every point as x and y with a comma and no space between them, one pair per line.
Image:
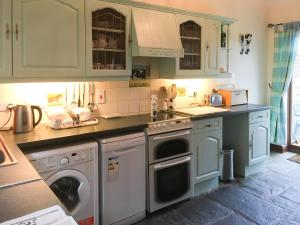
48,38
108,50
203,55
207,148
252,147
212,46
5,39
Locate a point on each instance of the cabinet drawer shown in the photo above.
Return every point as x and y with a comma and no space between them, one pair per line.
259,116
207,125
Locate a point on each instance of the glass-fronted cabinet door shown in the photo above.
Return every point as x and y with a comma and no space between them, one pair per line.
107,32
192,37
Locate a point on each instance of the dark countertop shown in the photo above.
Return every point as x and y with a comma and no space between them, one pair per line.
233,110
31,193
23,199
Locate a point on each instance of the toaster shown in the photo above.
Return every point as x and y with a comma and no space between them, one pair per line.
216,99
232,97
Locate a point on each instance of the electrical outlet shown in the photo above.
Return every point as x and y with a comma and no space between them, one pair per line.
100,96
3,107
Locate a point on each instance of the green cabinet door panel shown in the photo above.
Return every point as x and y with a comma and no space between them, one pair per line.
49,38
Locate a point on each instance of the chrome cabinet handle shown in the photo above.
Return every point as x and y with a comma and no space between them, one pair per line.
208,125
159,166
7,31
17,31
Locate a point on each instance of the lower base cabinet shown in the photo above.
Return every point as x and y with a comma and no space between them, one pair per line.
207,148
249,135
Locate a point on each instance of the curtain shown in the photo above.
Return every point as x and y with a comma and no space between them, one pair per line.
285,51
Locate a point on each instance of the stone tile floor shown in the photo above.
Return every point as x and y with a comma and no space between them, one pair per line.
270,197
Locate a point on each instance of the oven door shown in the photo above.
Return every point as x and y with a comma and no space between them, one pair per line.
169,145
169,182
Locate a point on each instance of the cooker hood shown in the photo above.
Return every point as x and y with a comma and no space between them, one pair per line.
155,34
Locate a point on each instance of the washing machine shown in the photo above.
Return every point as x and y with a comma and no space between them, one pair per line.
72,174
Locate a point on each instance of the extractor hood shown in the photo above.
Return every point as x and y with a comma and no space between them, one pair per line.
155,34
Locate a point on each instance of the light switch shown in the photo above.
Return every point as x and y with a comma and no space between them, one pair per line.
100,96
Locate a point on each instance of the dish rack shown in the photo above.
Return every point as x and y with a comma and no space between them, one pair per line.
71,124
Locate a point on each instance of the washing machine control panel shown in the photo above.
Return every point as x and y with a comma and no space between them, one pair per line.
63,160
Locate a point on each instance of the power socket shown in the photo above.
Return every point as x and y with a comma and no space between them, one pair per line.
3,107
100,96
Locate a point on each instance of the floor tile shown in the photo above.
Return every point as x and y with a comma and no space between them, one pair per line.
251,207
267,185
234,219
203,211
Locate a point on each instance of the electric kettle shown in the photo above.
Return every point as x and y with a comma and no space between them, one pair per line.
24,120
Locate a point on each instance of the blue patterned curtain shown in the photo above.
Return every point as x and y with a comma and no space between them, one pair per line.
285,51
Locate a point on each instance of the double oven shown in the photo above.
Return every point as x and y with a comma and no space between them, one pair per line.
169,163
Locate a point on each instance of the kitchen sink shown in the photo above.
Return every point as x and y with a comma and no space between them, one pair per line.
6,156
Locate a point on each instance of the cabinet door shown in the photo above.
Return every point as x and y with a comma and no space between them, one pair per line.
212,48
108,52
259,142
49,38
5,39
207,154
192,30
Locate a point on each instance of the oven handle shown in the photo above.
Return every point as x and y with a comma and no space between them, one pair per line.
171,136
159,167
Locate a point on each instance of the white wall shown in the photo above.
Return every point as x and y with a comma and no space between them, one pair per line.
250,71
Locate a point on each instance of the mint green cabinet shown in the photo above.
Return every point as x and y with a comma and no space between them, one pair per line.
5,39
108,51
203,56
212,47
259,142
252,147
207,148
48,38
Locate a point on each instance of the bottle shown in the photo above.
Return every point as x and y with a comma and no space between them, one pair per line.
154,104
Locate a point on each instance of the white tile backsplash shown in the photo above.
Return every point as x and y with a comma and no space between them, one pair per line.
123,94
134,106
134,93
145,106
144,92
123,107
111,95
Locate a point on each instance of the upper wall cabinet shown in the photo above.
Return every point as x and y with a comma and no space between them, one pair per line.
108,52
201,40
212,46
48,38
5,39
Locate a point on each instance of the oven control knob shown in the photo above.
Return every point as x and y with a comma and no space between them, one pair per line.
163,124
158,125
84,156
172,123
154,126
64,161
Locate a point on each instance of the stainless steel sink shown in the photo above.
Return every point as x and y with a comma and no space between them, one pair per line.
6,156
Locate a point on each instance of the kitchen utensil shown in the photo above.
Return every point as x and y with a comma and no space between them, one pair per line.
173,91
74,103
83,95
93,106
24,120
90,93
66,96
79,95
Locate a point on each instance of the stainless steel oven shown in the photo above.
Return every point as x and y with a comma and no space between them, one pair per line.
170,168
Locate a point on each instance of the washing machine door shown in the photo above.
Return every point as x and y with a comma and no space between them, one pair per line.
72,188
